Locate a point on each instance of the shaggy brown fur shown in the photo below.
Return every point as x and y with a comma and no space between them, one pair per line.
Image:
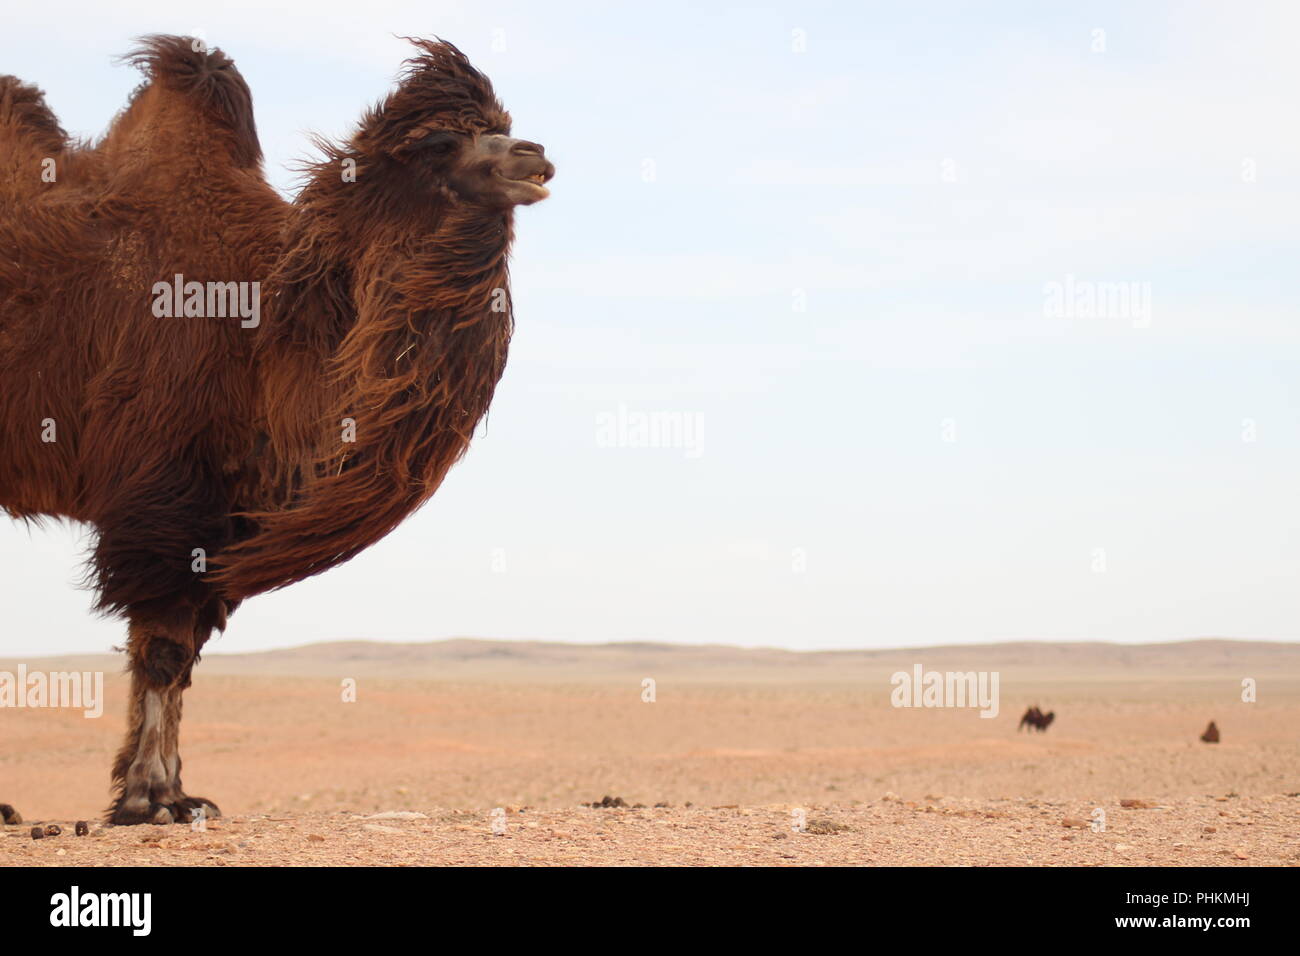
218,458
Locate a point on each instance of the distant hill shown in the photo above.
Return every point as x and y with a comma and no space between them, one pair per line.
466,658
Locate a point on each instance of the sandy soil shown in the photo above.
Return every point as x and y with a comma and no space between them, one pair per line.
1207,831
734,743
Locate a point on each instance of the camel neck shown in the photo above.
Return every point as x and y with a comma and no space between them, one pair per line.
349,243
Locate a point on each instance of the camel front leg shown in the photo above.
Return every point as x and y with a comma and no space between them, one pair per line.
147,772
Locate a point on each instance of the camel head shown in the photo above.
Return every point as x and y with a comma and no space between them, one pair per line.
443,132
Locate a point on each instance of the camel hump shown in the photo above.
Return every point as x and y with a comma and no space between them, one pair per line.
23,112
208,78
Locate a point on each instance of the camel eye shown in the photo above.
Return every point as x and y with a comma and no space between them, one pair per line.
436,144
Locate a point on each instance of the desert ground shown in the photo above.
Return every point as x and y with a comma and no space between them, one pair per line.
482,752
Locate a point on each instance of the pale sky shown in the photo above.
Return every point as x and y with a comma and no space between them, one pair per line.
826,236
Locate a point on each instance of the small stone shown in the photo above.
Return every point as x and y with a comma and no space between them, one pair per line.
1241,854
37,833
1075,823
82,828
53,829
1209,829
315,838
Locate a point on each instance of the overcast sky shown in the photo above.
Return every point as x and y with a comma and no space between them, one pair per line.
982,319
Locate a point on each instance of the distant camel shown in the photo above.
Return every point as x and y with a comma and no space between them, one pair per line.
1036,719
1211,735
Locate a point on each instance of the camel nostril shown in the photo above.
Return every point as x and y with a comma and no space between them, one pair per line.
524,148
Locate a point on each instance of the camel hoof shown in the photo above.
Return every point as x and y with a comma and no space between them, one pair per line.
184,810
154,813
161,814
